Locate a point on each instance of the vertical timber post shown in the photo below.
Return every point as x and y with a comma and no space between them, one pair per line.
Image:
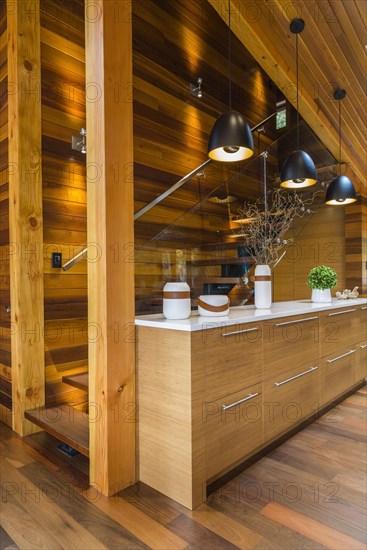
110,240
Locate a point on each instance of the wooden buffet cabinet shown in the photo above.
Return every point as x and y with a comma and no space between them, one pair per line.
213,393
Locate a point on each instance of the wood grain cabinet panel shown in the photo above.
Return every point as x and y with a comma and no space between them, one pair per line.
361,360
290,342
338,373
289,399
233,359
339,329
362,328
233,427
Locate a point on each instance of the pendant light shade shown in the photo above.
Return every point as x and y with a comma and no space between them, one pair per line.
298,170
341,190
231,138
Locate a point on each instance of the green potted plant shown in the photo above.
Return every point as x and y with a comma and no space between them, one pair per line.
321,279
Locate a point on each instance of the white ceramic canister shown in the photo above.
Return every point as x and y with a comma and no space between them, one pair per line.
262,280
213,305
176,301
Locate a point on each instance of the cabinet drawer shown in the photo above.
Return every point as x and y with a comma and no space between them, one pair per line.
233,359
338,329
338,373
233,427
290,342
289,399
361,361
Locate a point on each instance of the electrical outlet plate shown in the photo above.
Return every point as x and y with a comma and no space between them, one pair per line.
56,260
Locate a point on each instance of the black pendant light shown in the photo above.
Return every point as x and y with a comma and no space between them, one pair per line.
341,190
298,170
231,138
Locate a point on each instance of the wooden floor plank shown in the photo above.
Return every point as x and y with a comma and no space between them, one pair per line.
56,524
6,542
72,501
225,527
315,530
149,531
257,509
199,536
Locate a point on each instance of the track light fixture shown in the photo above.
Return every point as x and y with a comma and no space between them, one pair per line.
231,138
196,90
298,170
341,190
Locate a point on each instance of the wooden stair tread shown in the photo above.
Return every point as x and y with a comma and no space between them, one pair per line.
245,260
79,381
65,423
215,280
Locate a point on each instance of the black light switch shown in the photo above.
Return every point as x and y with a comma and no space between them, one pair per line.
56,259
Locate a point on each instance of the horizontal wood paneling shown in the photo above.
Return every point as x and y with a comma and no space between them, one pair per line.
321,242
64,194
5,348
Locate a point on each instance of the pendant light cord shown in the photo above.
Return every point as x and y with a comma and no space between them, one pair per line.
229,56
297,91
340,137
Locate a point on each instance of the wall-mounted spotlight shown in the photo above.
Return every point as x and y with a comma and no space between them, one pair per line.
196,90
79,144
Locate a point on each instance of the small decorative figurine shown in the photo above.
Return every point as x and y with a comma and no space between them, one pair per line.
348,294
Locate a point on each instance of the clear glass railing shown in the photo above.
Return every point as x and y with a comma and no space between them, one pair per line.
194,235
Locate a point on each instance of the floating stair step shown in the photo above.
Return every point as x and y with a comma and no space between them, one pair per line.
79,381
65,423
222,261
216,280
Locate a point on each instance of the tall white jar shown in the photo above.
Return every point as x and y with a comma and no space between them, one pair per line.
263,295
176,301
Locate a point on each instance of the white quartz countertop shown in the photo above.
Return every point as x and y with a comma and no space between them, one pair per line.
244,314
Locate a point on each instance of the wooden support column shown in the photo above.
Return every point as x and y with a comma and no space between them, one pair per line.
110,238
25,211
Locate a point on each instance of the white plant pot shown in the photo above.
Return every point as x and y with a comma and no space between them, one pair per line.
320,296
176,301
263,294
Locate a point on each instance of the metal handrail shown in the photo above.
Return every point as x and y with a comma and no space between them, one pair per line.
183,180
78,258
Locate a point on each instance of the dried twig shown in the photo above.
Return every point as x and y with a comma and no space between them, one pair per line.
264,236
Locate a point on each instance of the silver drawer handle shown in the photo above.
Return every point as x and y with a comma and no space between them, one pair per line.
292,322
363,347
251,396
294,377
239,331
341,312
340,356
364,307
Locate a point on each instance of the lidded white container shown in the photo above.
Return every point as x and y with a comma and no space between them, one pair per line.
176,301
213,305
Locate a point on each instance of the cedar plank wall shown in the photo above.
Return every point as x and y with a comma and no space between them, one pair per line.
174,43
322,241
64,194
5,360
356,242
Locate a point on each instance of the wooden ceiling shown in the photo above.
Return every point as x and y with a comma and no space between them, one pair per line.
332,54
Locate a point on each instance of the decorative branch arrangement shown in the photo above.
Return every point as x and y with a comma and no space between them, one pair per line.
264,223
